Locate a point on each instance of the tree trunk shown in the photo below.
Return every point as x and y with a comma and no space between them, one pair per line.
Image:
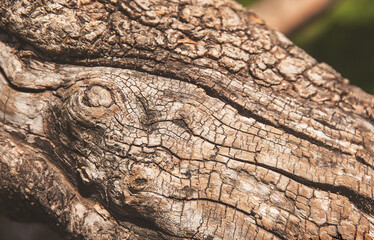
155,119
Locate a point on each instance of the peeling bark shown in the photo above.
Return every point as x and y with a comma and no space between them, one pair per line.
154,119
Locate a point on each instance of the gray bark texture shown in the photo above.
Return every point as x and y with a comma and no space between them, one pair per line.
166,119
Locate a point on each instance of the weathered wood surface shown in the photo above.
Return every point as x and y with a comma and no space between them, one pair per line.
155,119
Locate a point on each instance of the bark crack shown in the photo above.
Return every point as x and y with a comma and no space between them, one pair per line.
23,89
363,203
252,214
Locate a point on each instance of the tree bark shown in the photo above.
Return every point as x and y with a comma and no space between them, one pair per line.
155,119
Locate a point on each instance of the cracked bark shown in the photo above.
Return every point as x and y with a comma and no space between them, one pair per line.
154,119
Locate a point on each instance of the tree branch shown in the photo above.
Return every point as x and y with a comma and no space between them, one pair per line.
161,119
289,15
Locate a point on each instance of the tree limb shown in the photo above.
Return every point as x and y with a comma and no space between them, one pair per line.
288,15
155,119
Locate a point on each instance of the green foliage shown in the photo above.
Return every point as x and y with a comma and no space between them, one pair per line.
247,2
344,38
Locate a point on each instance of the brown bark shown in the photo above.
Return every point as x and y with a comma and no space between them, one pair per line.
155,119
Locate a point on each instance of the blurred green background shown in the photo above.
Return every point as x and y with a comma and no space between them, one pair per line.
343,37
